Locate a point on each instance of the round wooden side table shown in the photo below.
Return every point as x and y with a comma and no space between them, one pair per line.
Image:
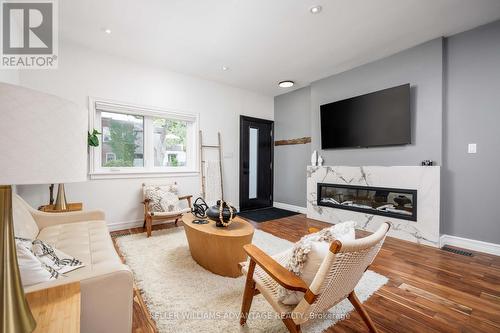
218,250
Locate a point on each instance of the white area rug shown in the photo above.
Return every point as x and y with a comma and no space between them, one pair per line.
184,297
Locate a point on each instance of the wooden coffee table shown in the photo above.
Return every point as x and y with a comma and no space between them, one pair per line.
219,250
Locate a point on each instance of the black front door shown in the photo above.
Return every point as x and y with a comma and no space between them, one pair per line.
256,163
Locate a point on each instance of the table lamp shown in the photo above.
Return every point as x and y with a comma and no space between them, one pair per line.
43,141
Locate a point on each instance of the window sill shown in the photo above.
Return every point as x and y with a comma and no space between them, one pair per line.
142,174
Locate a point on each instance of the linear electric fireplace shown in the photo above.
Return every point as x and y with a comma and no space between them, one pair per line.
393,202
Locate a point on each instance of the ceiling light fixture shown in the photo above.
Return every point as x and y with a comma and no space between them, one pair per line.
315,9
225,68
108,31
286,84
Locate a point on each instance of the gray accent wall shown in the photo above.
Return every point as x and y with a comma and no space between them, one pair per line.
471,182
292,120
455,88
420,66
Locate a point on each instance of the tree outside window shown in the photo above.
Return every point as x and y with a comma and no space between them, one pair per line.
170,142
125,133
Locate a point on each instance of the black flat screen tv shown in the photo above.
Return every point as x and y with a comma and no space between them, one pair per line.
381,118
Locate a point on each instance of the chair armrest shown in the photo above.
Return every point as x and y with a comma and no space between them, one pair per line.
188,198
279,273
44,219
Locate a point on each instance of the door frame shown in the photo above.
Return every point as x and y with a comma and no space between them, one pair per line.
264,121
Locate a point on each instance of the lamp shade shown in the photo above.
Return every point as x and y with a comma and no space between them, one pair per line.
44,138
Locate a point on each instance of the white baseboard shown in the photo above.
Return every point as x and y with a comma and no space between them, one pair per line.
293,208
470,244
125,225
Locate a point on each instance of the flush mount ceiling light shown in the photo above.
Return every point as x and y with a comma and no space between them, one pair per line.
107,31
286,84
225,68
315,9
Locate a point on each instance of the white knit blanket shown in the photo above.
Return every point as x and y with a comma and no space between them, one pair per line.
213,182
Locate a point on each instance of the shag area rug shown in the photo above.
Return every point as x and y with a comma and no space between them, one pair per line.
184,297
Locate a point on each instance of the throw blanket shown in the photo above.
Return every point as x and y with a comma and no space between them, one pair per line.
213,182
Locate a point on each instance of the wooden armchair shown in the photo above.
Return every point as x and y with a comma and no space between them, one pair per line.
335,280
150,216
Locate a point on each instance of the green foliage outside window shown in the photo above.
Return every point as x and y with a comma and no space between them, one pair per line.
122,142
172,133
172,160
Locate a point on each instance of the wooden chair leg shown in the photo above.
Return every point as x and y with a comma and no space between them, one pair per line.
248,294
362,312
149,225
177,219
290,324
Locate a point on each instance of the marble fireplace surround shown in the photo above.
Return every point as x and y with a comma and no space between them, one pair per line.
424,179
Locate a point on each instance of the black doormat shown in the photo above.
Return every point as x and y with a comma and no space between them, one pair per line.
266,214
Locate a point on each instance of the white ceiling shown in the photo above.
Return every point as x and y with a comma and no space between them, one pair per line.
265,41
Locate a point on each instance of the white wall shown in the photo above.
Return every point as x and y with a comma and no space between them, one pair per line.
9,76
83,73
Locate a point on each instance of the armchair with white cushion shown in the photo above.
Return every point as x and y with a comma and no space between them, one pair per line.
161,203
337,276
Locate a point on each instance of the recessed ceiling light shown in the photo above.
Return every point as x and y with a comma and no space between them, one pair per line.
315,9
286,84
108,31
225,68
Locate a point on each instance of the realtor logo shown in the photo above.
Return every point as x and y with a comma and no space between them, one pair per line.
29,34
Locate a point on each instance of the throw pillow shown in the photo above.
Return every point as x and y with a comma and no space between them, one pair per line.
54,258
31,269
169,202
307,255
165,193
40,262
154,195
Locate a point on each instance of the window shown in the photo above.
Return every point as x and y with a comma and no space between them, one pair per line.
137,140
125,141
170,142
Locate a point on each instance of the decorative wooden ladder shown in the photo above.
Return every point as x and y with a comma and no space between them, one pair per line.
202,163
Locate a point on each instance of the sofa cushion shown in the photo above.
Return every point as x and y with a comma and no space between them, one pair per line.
24,224
88,241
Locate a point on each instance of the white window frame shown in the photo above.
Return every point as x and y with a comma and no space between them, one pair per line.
96,171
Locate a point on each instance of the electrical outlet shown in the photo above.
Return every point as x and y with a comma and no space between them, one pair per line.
472,148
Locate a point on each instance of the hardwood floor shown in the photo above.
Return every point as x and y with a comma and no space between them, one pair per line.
429,290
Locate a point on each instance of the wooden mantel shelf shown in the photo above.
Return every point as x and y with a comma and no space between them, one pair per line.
299,141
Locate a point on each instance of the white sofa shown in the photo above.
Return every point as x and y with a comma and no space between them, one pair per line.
106,283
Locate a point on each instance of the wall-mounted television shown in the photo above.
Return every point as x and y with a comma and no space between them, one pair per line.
380,118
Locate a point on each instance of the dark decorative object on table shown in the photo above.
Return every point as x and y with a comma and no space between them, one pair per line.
222,213
200,208
200,221
427,163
